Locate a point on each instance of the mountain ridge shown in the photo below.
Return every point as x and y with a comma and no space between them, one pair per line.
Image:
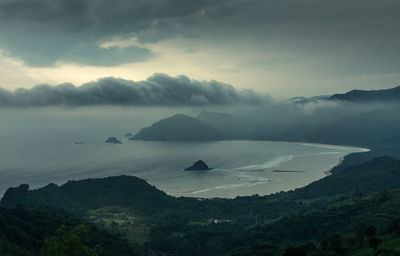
365,96
178,127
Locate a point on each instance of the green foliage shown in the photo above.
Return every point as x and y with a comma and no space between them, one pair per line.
259,249
372,176
121,221
345,204
394,227
374,242
333,243
302,250
80,196
23,232
70,241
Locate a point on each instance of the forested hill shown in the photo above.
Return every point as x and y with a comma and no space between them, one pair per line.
372,176
130,208
80,196
23,233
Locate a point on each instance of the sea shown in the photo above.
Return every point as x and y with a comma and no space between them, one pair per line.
38,148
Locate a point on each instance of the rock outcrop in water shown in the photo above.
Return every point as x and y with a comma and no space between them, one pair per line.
199,165
113,140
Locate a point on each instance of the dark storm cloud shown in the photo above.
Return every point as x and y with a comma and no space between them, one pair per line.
42,32
44,54
157,90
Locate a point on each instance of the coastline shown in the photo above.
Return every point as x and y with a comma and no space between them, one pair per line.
340,161
169,177
312,144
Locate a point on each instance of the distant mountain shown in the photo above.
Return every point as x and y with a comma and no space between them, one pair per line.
365,125
178,127
378,127
218,120
362,96
232,126
305,100
375,128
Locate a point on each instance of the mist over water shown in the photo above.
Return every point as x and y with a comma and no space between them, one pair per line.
39,147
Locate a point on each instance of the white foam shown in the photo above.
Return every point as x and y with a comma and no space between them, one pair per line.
230,186
269,164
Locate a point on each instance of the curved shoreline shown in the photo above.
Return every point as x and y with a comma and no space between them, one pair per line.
304,143
331,146
117,164
329,171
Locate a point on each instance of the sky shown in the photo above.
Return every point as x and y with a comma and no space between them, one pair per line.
283,48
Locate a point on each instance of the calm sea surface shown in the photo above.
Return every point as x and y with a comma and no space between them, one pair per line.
38,147
240,167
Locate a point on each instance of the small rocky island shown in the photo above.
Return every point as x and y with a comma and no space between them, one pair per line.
199,165
113,140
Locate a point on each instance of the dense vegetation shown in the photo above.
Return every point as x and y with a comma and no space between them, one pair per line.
23,232
80,196
323,218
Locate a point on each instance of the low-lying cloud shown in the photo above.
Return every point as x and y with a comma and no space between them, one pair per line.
157,90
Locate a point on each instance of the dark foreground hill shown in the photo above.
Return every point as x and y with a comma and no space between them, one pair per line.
373,176
23,232
80,196
132,209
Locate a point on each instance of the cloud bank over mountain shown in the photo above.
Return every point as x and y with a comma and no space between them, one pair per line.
157,90
313,47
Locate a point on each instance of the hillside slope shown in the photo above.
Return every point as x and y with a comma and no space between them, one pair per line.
178,127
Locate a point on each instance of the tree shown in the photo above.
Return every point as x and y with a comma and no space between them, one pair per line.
70,241
357,195
1,248
394,227
370,231
302,250
385,252
374,242
333,243
360,233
